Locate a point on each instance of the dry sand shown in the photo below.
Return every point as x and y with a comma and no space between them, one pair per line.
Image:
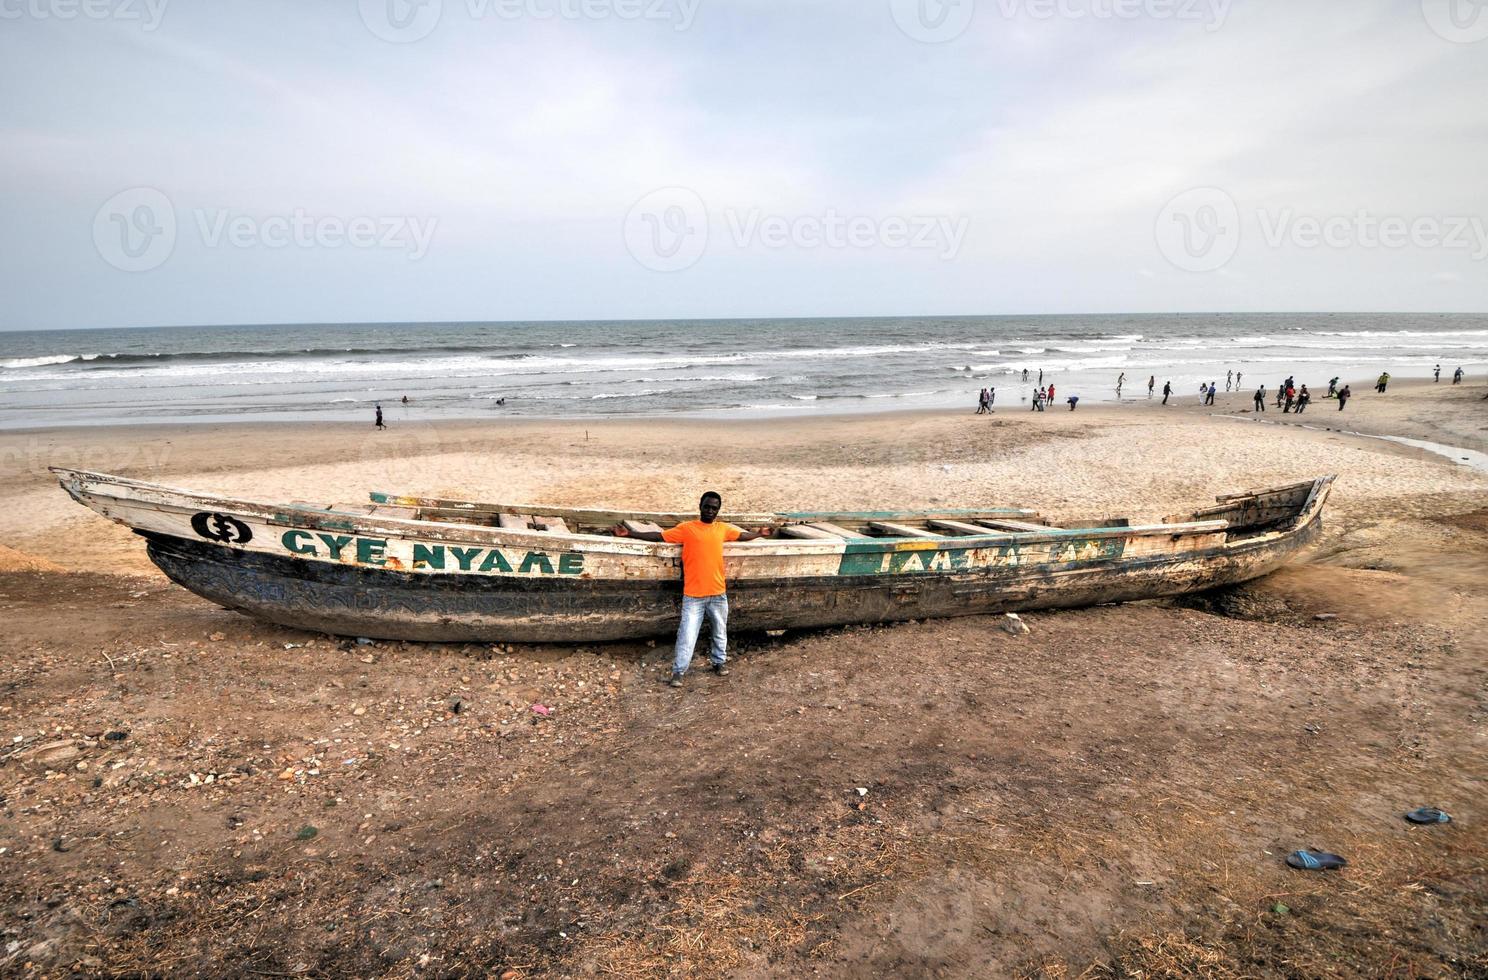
1111,794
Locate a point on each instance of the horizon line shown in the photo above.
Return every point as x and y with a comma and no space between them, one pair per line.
712,319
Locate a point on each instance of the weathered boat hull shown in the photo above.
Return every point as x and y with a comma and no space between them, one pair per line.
348,600
400,575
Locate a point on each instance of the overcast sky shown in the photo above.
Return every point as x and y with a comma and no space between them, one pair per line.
175,162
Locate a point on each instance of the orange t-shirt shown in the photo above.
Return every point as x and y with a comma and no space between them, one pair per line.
702,555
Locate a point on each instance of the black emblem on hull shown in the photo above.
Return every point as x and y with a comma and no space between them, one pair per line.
220,527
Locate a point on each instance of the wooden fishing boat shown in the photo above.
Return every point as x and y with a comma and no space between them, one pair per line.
418,568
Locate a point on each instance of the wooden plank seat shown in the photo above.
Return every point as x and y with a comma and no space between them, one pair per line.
514,522
388,510
889,529
807,533
1016,526
555,525
358,510
835,530
634,526
956,527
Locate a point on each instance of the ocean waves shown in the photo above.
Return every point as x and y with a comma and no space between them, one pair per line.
639,368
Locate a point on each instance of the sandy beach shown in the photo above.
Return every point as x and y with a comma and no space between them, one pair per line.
1111,795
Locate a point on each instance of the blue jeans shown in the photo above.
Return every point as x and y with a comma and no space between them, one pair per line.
716,608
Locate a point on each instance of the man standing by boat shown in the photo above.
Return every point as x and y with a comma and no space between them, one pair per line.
703,588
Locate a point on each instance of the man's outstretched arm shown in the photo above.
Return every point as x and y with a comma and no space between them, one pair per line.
621,531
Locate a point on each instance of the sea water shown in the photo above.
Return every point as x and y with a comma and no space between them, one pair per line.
767,368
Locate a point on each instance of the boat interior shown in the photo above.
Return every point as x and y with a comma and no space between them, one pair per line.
1241,515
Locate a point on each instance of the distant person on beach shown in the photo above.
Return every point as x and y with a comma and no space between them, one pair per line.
1343,396
1151,380
991,399
379,423
1436,373
1229,377
1119,382
1050,396
1291,397
704,592
1209,396
982,402
1333,387
1382,383
1303,397
1260,399
1457,376
1073,401
1025,374
405,399
1041,377
1038,401
1237,380
1167,391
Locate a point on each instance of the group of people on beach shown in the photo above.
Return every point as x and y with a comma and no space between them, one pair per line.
1456,375
1290,397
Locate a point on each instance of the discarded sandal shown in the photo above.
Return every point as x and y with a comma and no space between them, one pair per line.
1428,814
1310,860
